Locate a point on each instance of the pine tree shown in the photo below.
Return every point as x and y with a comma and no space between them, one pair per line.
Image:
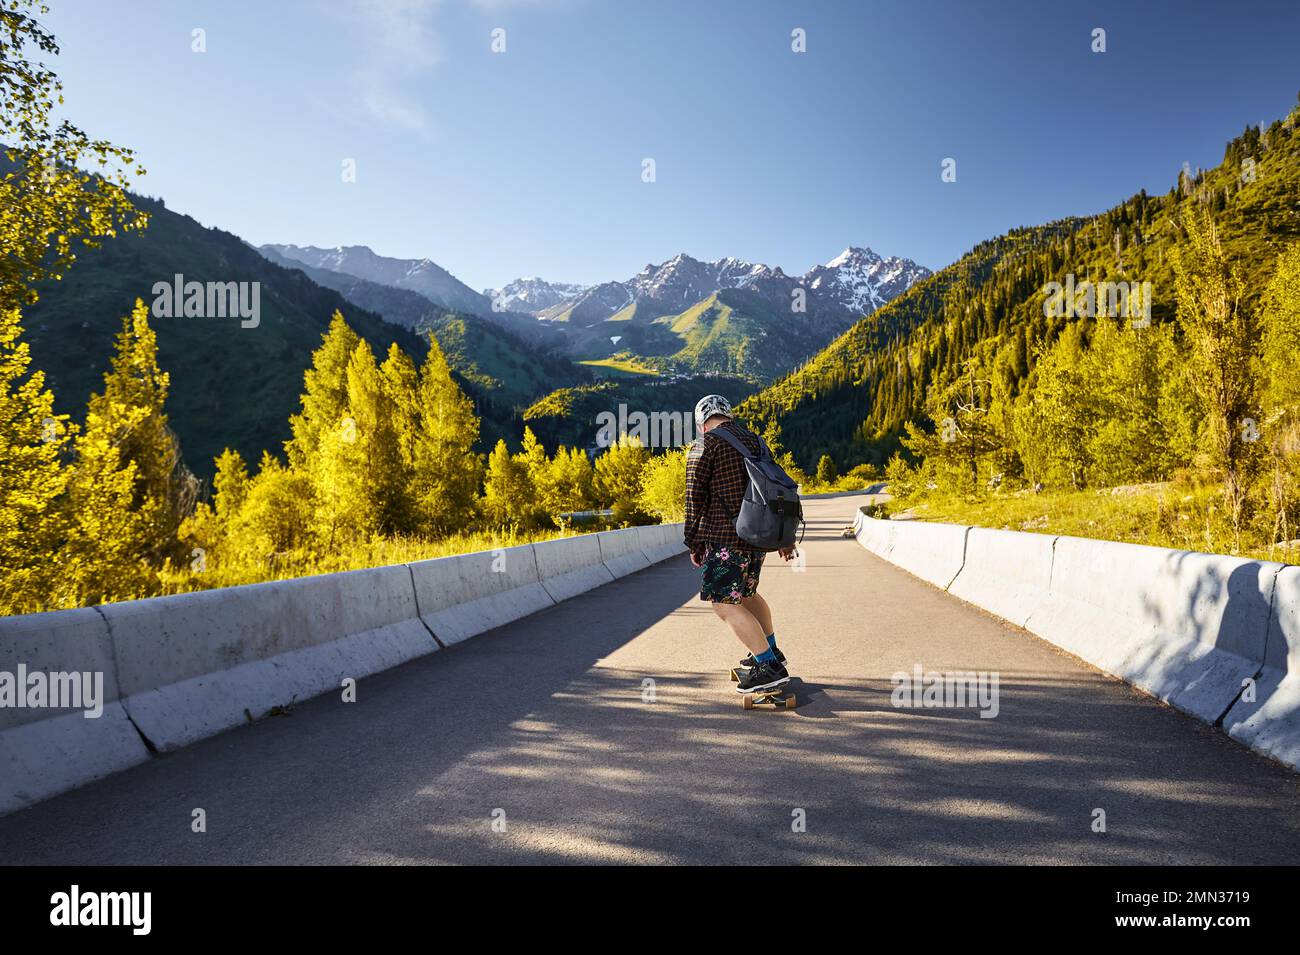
827,473
129,490
33,441
347,506
570,485
274,521
618,478
532,458
400,383
325,394
447,470
383,478
110,531
208,529
164,490
507,488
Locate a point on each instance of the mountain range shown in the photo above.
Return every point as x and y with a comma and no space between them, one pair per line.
236,387
679,317
532,295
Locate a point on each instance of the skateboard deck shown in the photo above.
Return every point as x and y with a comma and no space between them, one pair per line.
777,698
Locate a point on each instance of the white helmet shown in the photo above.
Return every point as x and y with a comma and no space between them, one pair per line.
711,405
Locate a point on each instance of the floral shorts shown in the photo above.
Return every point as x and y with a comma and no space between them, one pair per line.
729,574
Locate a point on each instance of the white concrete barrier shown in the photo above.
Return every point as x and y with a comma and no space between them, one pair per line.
1270,722
933,552
180,668
621,552
46,750
195,664
1192,629
875,535
1005,572
1186,627
569,566
468,594
661,541
192,665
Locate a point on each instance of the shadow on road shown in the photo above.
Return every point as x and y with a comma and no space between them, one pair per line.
580,758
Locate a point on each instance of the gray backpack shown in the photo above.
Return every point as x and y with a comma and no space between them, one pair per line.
770,513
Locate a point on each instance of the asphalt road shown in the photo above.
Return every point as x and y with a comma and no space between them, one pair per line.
541,742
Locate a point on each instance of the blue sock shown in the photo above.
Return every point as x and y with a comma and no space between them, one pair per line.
771,641
767,656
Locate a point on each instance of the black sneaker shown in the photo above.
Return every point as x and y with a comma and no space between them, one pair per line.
748,662
765,676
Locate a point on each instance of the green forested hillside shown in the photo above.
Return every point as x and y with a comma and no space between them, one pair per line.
236,387
504,372
568,416
230,386
985,313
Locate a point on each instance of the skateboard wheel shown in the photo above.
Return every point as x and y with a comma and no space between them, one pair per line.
747,702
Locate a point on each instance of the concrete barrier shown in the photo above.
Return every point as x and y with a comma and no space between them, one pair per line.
1270,722
45,750
570,566
468,594
1191,629
193,665
877,536
661,541
933,552
1005,572
1186,627
180,668
621,552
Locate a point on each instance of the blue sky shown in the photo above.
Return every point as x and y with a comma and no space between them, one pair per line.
529,162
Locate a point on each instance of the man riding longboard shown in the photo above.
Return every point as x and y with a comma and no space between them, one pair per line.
729,567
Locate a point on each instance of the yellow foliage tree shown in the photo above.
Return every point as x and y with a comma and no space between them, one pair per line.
129,490
33,441
447,471
618,478
47,203
507,491
663,486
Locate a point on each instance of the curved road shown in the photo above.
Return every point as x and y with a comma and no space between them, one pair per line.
547,724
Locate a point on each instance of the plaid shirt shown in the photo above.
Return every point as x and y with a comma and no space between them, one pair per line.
715,486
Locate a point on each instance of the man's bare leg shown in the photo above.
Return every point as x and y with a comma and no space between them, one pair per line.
761,611
744,624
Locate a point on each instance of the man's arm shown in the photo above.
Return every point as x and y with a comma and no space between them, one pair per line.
699,471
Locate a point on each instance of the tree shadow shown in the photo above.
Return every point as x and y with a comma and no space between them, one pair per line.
529,745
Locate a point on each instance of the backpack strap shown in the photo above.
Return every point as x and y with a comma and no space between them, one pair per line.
739,445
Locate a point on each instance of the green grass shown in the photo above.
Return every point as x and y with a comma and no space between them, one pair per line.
622,366
1161,515
376,553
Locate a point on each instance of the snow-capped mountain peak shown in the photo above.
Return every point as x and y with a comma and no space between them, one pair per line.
861,281
532,294
853,255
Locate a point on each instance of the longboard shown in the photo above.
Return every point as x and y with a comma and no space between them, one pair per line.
778,698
